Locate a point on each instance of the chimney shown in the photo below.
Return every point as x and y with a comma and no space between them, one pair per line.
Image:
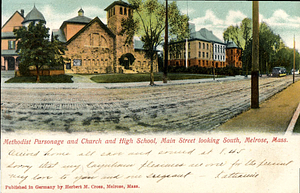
22,12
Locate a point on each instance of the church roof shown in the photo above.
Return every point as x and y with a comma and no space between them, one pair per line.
138,45
60,35
79,19
120,2
34,15
96,19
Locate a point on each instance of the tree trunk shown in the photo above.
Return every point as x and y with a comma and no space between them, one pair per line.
37,75
151,72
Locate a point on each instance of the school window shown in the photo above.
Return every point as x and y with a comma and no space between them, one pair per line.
206,46
203,54
203,45
125,11
11,45
189,54
77,62
199,54
121,10
207,55
199,46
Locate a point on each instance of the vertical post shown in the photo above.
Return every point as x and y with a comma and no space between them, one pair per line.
294,60
2,63
186,53
166,47
255,56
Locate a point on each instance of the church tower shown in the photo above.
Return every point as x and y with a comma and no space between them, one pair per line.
116,12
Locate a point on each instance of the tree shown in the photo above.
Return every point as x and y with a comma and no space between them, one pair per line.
233,33
148,22
36,50
241,36
269,42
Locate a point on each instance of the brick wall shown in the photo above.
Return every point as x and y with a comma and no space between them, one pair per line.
94,48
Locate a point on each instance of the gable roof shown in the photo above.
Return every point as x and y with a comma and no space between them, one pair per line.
34,15
96,19
17,12
120,2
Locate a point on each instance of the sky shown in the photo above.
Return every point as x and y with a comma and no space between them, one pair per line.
282,16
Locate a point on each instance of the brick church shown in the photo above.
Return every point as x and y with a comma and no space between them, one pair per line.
94,47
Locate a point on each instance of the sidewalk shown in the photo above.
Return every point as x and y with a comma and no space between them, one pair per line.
274,115
81,81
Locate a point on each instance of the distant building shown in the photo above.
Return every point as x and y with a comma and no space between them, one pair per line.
204,50
9,56
233,55
94,47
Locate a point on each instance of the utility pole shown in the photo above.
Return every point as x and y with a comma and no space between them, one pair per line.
294,60
166,47
186,53
255,56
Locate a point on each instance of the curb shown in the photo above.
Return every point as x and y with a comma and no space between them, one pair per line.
289,130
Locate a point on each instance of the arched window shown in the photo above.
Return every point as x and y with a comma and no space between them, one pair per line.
121,10
95,39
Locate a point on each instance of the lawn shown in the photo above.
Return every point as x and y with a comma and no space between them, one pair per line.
116,78
43,79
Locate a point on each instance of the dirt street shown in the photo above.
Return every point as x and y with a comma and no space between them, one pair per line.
177,108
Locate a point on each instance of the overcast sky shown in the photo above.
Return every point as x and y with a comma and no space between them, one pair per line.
282,16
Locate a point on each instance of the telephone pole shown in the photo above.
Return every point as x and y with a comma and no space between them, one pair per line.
255,56
165,70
